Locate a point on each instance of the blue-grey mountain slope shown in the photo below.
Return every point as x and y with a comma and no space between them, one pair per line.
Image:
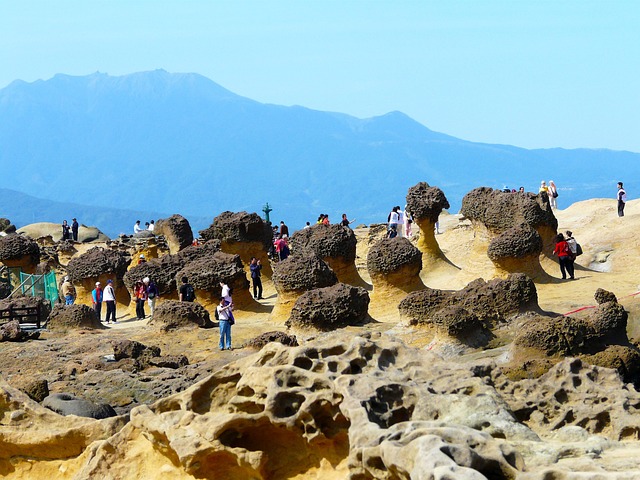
156,141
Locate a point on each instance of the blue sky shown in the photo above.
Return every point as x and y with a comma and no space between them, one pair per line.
529,73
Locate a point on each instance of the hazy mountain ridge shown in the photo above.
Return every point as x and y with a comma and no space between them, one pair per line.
156,141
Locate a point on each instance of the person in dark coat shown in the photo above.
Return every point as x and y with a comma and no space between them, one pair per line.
74,229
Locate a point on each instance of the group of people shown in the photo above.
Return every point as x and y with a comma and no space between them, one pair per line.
399,223
106,295
144,291
150,226
567,249
70,232
551,190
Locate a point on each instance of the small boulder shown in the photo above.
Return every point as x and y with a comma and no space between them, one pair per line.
176,230
275,336
73,317
37,390
132,349
171,314
11,332
65,404
603,296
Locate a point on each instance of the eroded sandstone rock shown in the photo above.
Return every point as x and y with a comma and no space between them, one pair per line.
77,316
275,336
176,230
172,314
19,251
65,404
425,204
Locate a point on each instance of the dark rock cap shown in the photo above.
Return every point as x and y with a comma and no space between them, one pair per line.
207,272
517,242
426,202
391,254
327,241
177,228
97,261
171,314
302,270
239,227
15,246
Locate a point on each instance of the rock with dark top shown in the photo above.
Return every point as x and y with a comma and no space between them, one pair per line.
168,361
69,317
327,241
462,324
144,234
15,247
176,230
207,272
275,336
131,349
302,271
37,390
517,242
5,290
97,261
65,404
6,226
240,227
171,314
330,308
392,254
11,332
492,302
603,296
426,203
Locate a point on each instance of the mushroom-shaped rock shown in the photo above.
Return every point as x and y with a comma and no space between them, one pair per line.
335,245
73,317
425,204
300,272
394,267
99,264
206,273
244,234
171,315
27,301
176,230
498,211
330,308
19,251
517,250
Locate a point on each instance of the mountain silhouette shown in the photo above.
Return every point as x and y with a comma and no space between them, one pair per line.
180,143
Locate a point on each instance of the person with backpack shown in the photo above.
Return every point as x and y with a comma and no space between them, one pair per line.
140,292
225,320
565,256
187,292
152,295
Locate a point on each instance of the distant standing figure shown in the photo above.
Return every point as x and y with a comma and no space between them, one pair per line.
96,296
226,295
543,187
187,292
109,297
68,291
565,256
308,225
521,190
140,292
282,247
284,230
345,222
400,221
553,194
224,321
141,259
146,225
66,230
255,266
152,226
392,219
407,222
136,227
622,199
152,295
74,229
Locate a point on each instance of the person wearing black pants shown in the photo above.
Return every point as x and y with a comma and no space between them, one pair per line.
565,257
109,298
255,267
622,199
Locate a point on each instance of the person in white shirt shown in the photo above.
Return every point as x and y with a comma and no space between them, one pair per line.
109,298
225,320
152,226
137,228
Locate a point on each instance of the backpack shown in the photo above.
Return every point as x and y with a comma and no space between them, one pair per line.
216,314
189,294
578,250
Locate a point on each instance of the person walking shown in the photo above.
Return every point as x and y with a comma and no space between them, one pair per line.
284,230
96,297
66,230
109,297
140,292
255,266
152,295
552,191
622,199
74,229
565,256
68,291
187,293
224,322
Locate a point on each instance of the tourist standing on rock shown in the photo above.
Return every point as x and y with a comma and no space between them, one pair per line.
146,225
140,292
553,194
96,296
152,295
141,259
152,226
68,291
284,230
255,266
543,187
187,292
109,297
308,225
622,199
66,230
137,228
345,222
521,190
565,256
225,321
74,229
320,219
392,221
226,294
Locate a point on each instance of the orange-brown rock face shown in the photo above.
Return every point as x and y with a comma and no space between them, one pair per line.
176,230
20,253
247,250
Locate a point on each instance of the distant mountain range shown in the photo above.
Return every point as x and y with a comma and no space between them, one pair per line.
180,143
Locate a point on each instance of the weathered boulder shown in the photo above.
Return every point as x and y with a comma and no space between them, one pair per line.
53,231
493,212
24,301
456,322
275,336
300,272
11,332
335,245
425,204
603,296
71,317
176,230
6,226
143,234
171,314
19,251
131,349
37,390
329,308
65,404
517,250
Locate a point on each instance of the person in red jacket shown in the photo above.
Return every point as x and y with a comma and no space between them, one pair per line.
565,256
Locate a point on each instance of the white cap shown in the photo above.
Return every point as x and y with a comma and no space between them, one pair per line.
141,255
97,283
145,280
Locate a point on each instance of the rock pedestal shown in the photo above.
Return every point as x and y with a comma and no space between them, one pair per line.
19,253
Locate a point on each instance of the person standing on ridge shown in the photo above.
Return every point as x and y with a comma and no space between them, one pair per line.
66,230
74,229
284,230
109,297
543,187
622,199
553,194
152,226
565,256
152,295
96,297
255,268
345,222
